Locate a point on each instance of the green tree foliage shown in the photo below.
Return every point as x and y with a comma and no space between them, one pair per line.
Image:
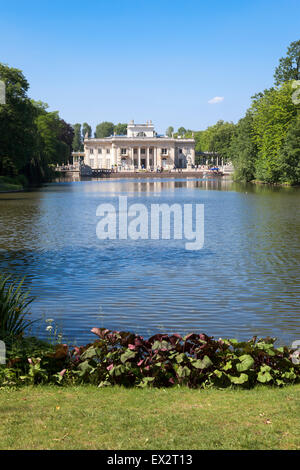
289,66
104,129
216,138
169,131
86,129
30,138
120,129
289,156
77,139
198,141
17,121
181,131
266,142
221,138
243,150
273,112
66,134
50,129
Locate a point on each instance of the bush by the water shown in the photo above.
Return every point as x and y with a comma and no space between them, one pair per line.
122,358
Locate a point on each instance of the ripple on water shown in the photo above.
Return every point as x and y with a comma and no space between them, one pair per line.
244,281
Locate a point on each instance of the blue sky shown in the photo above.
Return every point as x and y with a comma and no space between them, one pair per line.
162,60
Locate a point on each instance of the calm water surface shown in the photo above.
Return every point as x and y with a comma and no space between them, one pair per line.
244,281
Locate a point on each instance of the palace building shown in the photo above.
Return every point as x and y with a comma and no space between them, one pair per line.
141,148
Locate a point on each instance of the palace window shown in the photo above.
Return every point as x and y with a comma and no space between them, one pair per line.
150,151
107,150
91,151
164,151
180,150
123,151
143,151
135,151
99,150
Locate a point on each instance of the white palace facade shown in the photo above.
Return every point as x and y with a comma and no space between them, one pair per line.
141,148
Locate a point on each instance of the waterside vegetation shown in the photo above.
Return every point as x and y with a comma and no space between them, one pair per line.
265,144
32,139
128,359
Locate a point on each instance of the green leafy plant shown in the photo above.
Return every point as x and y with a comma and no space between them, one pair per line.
130,360
14,304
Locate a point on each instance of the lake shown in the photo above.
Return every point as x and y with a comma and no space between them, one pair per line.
243,282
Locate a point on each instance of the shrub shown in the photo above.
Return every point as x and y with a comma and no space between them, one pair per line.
127,359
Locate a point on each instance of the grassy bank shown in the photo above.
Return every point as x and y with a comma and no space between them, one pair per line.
85,417
8,183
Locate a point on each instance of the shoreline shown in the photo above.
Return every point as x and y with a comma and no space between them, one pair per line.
152,174
7,191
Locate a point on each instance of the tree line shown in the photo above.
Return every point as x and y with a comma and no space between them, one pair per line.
265,144
104,129
32,139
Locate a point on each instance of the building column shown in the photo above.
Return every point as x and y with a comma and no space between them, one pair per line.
129,159
172,155
158,157
139,158
147,158
119,157
159,160
114,155
193,156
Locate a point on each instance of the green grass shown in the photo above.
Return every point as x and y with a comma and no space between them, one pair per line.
5,187
86,417
8,183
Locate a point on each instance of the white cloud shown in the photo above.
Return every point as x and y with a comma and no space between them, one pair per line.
216,99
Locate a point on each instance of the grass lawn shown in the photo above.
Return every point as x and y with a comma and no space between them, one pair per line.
86,417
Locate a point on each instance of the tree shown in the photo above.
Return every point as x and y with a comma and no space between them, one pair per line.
104,129
31,138
66,134
289,66
220,139
216,139
86,129
181,131
17,127
243,149
198,141
7,167
169,131
290,154
77,140
120,129
40,105
273,111
50,128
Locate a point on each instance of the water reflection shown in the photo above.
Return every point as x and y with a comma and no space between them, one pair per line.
244,281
